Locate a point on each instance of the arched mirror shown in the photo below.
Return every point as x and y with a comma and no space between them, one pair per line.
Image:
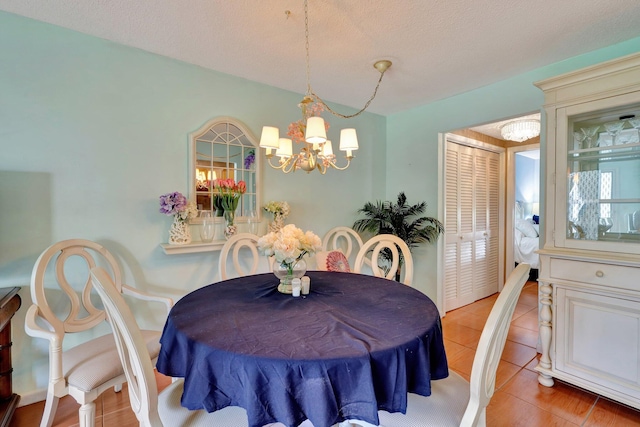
221,149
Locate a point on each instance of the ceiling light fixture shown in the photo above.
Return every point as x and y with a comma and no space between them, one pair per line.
311,131
520,130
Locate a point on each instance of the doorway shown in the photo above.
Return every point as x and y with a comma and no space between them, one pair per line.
488,136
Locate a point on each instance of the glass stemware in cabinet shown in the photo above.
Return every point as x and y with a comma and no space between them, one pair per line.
604,225
207,229
613,129
636,125
589,135
578,139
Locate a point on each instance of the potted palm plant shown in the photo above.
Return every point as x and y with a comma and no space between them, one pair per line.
399,219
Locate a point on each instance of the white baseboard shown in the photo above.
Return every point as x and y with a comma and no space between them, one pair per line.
32,397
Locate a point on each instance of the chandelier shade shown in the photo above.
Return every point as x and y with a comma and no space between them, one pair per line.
316,151
520,130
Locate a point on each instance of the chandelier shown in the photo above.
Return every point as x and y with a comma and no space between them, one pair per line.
316,152
520,130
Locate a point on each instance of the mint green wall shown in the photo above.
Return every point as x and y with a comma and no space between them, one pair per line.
412,136
105,128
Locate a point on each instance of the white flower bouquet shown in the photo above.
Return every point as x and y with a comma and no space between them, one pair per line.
289,245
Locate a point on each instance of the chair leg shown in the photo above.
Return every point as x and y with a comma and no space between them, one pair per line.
49,409
117,388
87,414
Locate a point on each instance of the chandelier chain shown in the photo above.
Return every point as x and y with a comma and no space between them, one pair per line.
315,95
306,45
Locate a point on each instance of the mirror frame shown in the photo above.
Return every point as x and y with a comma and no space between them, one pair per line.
204,129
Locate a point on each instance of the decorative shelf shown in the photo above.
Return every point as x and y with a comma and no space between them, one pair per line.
193,247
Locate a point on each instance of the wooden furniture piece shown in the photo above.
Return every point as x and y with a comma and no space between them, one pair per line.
455,401
391,244
88,369
354,344
9,304
590,262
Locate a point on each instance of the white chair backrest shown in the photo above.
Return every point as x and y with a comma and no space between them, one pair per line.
143,389
82,314
390,244
491,345
246,258
342,238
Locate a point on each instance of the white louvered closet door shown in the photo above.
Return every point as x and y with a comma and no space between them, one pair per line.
471,224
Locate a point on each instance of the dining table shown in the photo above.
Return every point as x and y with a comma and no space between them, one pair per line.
354,345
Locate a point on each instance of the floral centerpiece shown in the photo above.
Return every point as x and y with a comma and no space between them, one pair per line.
288,246
229,192
280,211
182,210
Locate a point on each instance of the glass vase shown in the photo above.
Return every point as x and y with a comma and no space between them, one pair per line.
286,275
207,229
230,227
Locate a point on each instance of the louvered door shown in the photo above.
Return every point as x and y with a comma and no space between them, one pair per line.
471,224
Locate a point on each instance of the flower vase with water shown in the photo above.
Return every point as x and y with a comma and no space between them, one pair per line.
286,272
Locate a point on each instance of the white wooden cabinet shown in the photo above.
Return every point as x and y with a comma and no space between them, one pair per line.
590,263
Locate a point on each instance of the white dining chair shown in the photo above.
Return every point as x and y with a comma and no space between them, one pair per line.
388,244
152,409
454,401
87,369
344,239
251,261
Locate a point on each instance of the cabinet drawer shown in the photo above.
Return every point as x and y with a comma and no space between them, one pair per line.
594,273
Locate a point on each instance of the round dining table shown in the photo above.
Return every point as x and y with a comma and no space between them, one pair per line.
354,345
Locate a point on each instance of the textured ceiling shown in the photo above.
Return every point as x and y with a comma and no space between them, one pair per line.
438,48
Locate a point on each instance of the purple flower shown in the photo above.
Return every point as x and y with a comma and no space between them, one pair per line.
172,203
248,161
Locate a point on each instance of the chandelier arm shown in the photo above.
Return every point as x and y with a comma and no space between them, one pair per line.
333,164
283,165
348,116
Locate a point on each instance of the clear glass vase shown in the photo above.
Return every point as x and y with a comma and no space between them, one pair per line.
230,227
286,274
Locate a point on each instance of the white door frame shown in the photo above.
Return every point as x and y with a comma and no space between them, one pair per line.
511,202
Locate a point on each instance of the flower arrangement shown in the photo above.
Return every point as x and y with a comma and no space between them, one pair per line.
278,209
177,205
230,192
289,245
182,210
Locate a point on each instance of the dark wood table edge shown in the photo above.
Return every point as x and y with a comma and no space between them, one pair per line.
9,304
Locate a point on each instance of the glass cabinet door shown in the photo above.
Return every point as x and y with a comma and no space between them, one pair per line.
602,176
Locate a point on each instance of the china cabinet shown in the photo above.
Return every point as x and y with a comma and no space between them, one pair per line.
590,262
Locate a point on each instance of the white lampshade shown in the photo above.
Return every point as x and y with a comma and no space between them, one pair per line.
327,149
270,137
348,139
315,132
285,149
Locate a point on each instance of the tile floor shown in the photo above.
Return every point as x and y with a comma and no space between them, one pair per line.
518,401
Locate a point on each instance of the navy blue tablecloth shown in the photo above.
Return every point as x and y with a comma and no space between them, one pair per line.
354,345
